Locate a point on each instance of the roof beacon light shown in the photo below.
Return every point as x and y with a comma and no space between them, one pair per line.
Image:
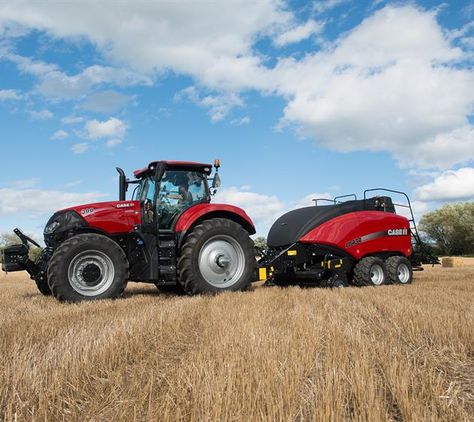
217,163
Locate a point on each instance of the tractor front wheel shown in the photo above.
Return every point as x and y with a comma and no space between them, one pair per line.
217,256
88,267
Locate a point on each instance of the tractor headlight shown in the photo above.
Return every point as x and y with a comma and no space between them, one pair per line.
50,228
61,222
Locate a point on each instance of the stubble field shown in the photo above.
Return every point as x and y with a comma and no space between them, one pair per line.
386,353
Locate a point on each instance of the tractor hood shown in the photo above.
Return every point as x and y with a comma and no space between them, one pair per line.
113,217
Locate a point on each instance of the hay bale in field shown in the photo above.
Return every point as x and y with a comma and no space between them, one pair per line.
454,261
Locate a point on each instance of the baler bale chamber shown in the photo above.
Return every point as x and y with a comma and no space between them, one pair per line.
357,241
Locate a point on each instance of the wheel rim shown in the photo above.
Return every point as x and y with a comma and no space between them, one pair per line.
377,275
91,273
403,273
221,261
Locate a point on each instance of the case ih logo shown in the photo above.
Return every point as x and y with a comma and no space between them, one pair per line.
397,232
126,205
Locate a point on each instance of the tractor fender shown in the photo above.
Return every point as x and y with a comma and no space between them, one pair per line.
198,213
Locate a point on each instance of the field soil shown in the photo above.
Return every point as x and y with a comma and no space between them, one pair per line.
401,353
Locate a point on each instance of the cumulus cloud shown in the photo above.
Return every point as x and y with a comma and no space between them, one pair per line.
298,33
375,91
112,127
56,84
449,186
396,82
71,120
112,143
219,106
184,37
80,148
262,208
59,134
105,102
41,114
38,201
9,94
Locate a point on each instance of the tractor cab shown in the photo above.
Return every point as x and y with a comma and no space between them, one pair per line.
168,188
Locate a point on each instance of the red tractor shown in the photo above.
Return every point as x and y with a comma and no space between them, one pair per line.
168,234
171,235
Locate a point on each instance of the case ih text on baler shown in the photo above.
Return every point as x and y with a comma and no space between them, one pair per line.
170,234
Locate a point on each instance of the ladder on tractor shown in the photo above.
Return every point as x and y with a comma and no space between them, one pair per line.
420,254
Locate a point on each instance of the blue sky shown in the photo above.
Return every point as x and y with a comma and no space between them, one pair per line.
297,98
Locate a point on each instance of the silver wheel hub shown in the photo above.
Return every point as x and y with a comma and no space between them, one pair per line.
376,275
403,273
91,273
221,261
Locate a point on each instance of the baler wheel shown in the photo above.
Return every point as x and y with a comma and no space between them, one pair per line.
370,271
88,266
399,270
217,256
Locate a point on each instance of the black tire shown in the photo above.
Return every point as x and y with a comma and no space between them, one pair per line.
198,248
73,280
43,287
370,271
399,270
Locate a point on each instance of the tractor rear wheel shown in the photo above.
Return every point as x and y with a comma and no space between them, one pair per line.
399,270
88,267
217,256
370,271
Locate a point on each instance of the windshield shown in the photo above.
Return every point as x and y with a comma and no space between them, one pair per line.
178,190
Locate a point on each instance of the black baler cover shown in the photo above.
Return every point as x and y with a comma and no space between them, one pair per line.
293,225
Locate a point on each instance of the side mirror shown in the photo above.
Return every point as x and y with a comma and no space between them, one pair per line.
216,181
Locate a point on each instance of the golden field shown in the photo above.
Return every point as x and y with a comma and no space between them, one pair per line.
386,353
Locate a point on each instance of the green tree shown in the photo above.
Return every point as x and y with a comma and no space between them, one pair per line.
260,242
7,239
452,228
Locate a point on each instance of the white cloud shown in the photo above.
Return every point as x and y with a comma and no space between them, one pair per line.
298,33
449,186
219,105
375,91
37,201
184,37
245,120
41,114
395,82
25,183
56,84
9,94
80,148
322,6
112,143
308,200
105,102
59,134
112,127
71,120
262,208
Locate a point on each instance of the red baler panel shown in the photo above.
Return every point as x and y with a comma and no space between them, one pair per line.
111,217
364,233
